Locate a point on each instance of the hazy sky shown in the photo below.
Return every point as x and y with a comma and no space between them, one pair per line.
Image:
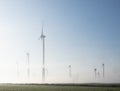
80,33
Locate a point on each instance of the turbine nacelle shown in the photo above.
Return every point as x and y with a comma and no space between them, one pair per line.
103,64
42,36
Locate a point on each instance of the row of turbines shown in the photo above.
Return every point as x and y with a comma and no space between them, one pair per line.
97,73
42,37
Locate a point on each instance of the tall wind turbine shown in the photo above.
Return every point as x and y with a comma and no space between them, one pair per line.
43,42
95,72
103,65
70,74
28,64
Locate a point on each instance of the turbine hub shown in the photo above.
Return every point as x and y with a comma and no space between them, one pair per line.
43,36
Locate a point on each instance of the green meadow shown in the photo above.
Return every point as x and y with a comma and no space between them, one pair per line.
54,88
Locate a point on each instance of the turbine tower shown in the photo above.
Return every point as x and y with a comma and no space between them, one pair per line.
70,74
98,74
103,65
95,72
43,42
17,69
28,64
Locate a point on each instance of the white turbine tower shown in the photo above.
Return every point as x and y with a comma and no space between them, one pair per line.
95,72
28,64
43,42
18,73
103,65
98,75
70,74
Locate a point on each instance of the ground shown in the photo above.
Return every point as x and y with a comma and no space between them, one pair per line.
18,87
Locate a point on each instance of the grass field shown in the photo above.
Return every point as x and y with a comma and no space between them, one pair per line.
8,87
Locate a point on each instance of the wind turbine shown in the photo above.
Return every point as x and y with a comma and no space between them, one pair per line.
17,64
95,72
103,65
98,74
28,64
43,42
70,74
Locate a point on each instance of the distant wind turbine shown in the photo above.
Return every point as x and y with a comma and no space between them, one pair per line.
28,64
103,65
98,74
70,74
43,41
17,64
95,70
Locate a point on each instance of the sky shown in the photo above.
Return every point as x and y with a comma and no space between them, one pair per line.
80,33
